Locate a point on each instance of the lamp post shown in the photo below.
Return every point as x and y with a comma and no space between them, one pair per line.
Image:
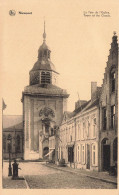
9,148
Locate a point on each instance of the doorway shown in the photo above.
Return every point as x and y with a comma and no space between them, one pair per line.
88,156
71,154
45,151
106,157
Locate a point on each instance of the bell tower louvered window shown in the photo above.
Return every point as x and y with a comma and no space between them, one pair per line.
45,78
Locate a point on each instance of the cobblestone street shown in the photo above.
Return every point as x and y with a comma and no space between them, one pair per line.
38,176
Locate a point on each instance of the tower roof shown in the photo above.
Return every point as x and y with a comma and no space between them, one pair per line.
44,65
44,62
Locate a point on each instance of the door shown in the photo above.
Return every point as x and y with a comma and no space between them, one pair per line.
45,151
71,154
88,156
106,157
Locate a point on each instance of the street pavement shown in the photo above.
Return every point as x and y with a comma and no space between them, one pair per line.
40,176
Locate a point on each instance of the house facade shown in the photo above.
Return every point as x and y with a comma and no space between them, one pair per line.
79,133
109,110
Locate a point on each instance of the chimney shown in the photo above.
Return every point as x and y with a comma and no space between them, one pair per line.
93,90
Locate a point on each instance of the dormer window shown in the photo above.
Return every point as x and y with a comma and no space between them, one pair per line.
45,78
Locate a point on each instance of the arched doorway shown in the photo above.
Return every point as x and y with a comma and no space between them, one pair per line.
105,154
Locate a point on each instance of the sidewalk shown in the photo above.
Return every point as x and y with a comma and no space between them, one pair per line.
104,176
8,183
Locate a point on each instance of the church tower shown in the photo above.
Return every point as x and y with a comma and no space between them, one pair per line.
43,104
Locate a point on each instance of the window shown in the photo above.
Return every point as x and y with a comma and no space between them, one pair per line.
18,143
9,144
83,154
51,131
112,81
93,154
94,127
78,153
71,138
4,143
69,134
112,116
104,120
78,132
45,78
72,133
83,129
88,129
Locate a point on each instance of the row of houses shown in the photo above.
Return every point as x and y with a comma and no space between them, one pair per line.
87,137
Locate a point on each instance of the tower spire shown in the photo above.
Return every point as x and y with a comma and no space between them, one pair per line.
44,34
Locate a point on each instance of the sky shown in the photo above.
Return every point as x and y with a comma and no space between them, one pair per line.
79,45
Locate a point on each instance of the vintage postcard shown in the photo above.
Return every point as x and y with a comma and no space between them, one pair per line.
59,87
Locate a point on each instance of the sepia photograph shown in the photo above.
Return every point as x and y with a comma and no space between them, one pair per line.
59,87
